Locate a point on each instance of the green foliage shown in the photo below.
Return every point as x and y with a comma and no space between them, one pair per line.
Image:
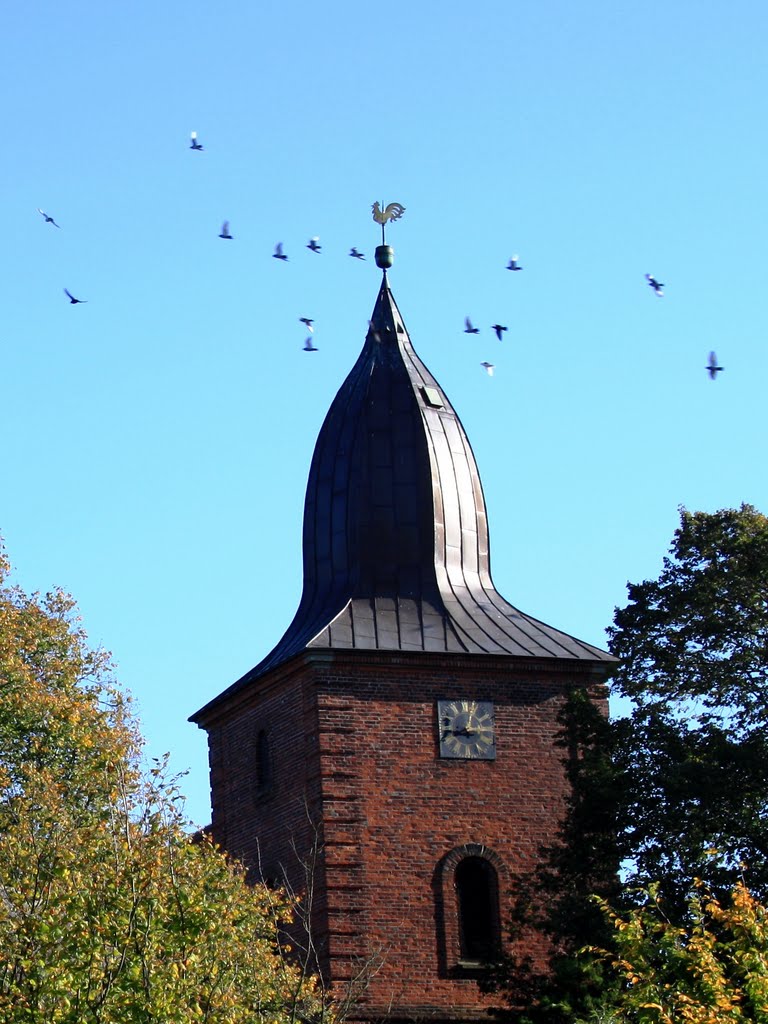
711,970
694,642
694,804
693,755
58,707
109,911
556,901
674,792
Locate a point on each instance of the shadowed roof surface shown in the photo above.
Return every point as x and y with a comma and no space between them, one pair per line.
396,552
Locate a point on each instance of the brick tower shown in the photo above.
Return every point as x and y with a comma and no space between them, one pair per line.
400,738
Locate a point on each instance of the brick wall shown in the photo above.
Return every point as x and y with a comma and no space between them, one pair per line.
354,743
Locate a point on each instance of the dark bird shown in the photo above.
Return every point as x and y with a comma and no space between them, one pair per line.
513,263
656,285
193,143
308,346
489,368
314,245
468,328
308,322
278,254
72,298
225,230
499,330
48,218
357,255
712,368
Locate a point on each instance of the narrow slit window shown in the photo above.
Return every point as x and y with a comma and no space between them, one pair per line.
263,762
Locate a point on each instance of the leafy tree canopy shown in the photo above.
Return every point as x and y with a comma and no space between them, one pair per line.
693,754
713,970
109,912
695,641
674,792
59,710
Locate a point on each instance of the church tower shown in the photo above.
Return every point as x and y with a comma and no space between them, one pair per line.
400,739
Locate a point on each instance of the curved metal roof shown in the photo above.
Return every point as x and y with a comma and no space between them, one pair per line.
396,552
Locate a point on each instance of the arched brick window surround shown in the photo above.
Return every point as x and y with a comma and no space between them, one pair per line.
449,912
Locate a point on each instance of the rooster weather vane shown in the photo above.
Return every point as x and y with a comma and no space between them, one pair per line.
392,212
385,254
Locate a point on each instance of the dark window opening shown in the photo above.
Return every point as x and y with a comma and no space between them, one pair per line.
263,762
477,897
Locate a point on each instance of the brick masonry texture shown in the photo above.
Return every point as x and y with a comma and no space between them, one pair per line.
355,771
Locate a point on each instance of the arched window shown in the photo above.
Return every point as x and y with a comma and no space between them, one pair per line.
477,899
469,880
263,763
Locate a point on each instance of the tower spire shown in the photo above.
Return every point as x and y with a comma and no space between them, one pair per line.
396,547
405,686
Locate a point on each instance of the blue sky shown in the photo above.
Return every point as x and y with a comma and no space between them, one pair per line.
157,440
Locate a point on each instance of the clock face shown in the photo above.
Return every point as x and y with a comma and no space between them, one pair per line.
466,729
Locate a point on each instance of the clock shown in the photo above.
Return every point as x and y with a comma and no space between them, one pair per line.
466,729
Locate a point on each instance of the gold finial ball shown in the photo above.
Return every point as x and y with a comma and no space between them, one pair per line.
385,256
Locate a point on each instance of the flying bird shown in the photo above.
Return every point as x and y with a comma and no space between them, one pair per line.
394,211
499,330
278,254
193,143
514,264
489,368
307,321
72,298
357,255
225,230
314,245
48,218
656,285
712,368
469,329
308,346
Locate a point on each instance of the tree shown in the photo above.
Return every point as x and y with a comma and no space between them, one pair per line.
675,791
557,900
695,641
693,754
59,710
712,970
109,910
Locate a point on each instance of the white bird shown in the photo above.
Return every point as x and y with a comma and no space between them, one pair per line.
513,263
489,368
193,143
313,244
307,321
